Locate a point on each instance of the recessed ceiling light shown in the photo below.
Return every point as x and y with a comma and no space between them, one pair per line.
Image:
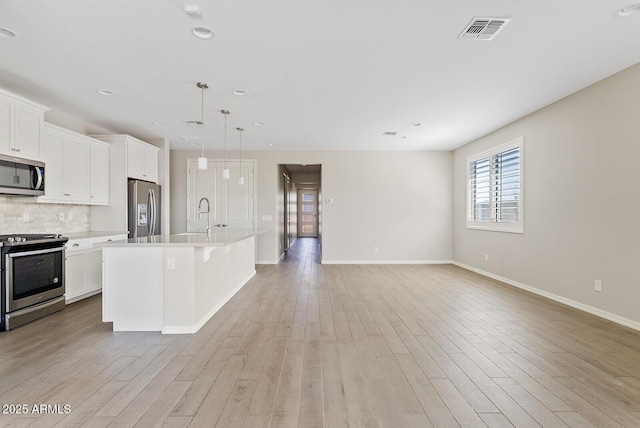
415,124
402,137
158,123
105,92
9,34
271,144
258,123
390,133
192,10
240,92
627,10
202,32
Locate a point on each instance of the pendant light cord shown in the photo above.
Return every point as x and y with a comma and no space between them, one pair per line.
240,130
202,121
226,113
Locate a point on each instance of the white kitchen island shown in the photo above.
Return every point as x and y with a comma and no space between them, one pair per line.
174,283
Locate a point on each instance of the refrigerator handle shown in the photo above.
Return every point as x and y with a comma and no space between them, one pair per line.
151,213
155,211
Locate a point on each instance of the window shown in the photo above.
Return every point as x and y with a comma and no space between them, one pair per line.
494,188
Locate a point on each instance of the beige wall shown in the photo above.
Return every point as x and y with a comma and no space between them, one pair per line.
398,201
582,202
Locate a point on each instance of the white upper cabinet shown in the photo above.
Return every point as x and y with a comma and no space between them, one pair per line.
76,167
99,173
75,178
142,160
20,126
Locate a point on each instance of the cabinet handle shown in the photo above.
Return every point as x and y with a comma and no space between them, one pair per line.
67,194
109,240
76,245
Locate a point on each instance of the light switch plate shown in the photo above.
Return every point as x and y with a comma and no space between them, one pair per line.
171,263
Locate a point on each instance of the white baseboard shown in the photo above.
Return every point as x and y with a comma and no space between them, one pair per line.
385,262
577,305
83,296
265,262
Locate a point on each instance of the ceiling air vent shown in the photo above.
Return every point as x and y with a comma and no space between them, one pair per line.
483,28
390,133
196,122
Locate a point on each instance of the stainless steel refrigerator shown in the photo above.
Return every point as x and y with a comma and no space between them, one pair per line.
143,210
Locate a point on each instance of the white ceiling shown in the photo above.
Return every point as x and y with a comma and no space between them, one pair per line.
321,75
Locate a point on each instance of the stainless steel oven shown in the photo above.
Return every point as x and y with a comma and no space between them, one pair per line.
33,278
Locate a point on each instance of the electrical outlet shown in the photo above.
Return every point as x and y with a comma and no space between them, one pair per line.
61,216
26,216
486,257
171,263
70,216
597,285
376,249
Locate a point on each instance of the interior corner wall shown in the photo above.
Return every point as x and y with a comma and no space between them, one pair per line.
581,201
399,202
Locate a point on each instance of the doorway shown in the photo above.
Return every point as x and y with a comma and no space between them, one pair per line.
301,193
218,202
308,213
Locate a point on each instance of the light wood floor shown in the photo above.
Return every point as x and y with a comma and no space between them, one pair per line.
309,345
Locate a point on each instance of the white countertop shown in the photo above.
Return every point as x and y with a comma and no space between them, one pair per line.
93,234
189,239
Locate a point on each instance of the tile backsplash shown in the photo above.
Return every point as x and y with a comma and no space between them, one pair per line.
23,215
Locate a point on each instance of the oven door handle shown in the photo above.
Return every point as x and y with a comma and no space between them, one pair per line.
31,253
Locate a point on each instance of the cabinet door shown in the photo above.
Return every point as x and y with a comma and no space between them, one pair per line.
94,273
28,129
6,112
135,160
99,174
151,164
75,274
75,172
52,154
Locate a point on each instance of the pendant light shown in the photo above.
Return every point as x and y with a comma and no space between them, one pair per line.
241,179
202,161
225,171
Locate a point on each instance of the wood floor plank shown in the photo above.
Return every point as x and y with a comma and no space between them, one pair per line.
213,405
310,345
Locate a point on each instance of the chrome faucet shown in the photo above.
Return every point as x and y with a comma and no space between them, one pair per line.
208,212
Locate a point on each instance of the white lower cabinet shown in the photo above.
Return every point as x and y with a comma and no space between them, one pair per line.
83,267
75,269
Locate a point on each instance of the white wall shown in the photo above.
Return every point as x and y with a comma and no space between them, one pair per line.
398,201
582,204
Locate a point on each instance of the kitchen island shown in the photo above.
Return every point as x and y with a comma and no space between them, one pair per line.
174,283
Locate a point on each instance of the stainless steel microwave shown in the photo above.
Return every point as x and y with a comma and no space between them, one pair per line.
21,176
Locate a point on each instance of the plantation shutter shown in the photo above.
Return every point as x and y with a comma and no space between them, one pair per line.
506,186
480,190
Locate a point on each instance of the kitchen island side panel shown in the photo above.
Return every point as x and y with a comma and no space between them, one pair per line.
132,295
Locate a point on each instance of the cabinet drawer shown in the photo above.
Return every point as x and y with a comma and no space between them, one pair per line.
77,245
94,241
